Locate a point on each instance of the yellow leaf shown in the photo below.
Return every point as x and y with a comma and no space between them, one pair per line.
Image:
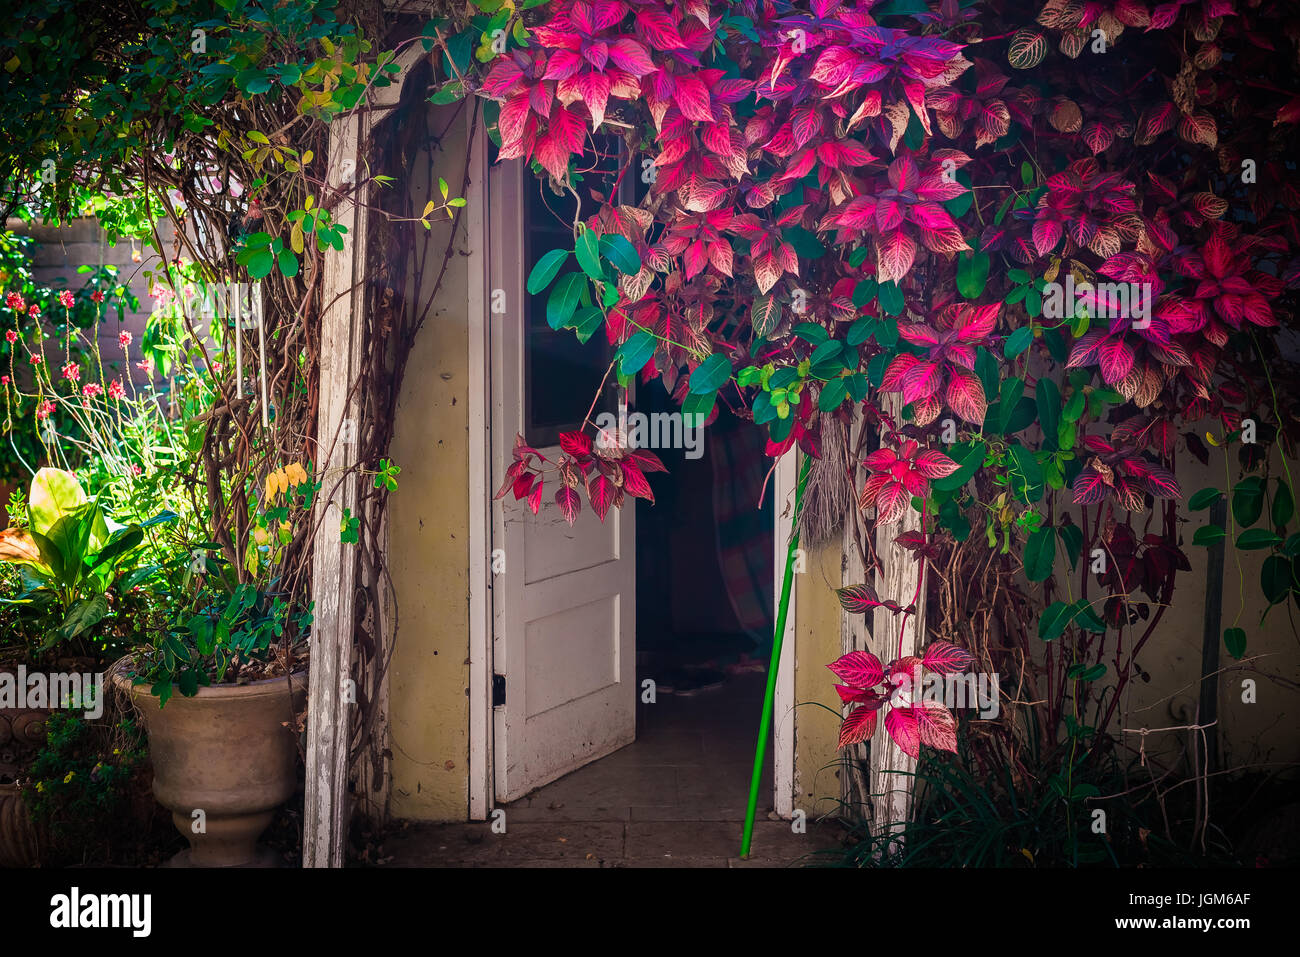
13,63
429,207
296,239
307,157
1209,437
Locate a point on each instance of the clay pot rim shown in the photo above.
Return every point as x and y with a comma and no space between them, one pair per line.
253,689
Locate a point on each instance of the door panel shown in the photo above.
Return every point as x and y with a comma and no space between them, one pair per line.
564,605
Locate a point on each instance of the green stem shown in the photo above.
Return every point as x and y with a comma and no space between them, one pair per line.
765,723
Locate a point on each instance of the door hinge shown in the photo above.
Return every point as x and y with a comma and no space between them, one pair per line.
498,690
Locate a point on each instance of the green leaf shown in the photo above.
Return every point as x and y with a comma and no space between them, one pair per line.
972,274
1234,640
588,254
1283,504
54,494
587,321
968,456
1072,538
700,405
1275,578
1204,499
1208,535
890,298
1248,501
1255,538
711,374
636,352
1052,622
619,251
811,333
832,394
83,615
564,298
1074,406
288,263
545,270
1018,341
1040,554
1083,672
258,262
1047,398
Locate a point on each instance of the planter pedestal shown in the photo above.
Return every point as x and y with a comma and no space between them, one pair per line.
223,761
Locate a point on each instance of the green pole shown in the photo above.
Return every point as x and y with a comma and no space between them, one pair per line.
765,723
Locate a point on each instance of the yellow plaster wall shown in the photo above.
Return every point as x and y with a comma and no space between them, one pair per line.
817,643
429,529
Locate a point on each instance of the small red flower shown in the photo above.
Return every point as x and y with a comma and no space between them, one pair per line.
92,389
115,390
124,339
96,296
65,299
11,336
15,301
36,360
34,311
45,409
72,372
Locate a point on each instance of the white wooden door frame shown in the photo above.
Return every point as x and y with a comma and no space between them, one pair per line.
482,787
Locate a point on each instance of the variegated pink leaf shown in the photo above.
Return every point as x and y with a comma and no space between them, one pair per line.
859,726
858,599
945,658
901,725
933,464
858,669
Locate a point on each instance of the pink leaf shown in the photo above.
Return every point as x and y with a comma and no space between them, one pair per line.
860,669
570,503
859,726
857,599
936,725
901,725
943,657
932,464
965,395
891,502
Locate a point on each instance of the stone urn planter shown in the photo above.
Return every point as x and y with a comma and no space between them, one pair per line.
22,734
223,761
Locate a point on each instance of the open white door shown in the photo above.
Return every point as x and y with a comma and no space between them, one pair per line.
564,599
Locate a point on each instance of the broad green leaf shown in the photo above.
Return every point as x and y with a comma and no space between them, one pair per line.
1248,501
711,374
968,456
636,352
1275,578
564,298
1018,341
1283,504
1208,535
1234,640
972,274
620,251
587,252
1040,554
1255,538
1204,499
54,493
546,269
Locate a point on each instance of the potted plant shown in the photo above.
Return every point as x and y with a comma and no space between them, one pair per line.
224,750
61,566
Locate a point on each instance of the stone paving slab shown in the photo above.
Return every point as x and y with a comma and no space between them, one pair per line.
654,844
